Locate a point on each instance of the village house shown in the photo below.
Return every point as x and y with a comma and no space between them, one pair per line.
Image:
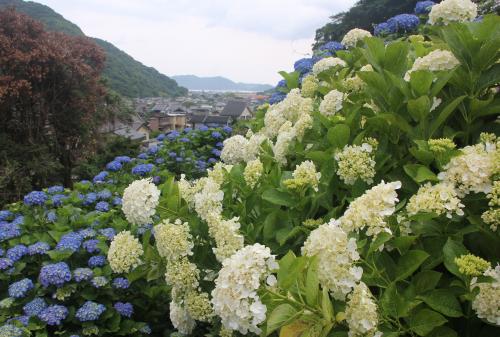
133,128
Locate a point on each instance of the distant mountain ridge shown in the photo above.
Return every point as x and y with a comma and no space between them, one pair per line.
193,82
123,73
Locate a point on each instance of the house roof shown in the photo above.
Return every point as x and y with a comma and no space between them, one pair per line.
234,108
210,119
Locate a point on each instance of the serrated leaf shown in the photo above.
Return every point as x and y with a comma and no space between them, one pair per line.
409,263
443,301
425,320
279,316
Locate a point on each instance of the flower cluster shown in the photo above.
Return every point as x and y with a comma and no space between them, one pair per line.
326,64
53,314
424,7
124,309
438,199
436,60
472,265
356,162
124,253
90,311
173,240
235,298
353,36
55,274
449,11
337,255
35,198
139,201
332,103
371,209
361,313
304,175
310,85
441,145
20,289
487,302
252,173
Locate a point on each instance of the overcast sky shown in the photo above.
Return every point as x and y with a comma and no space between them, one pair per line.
244,40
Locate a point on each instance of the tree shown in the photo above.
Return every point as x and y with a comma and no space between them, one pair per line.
51,99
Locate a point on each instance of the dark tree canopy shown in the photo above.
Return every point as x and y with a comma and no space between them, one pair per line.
51,101
362,15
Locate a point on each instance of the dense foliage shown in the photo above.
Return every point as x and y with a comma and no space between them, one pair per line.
54,268
124,75
364,201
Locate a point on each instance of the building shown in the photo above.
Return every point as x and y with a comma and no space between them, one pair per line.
195,121
167,122
133,128
237,110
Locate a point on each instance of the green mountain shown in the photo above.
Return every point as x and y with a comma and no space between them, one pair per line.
123,74
193,82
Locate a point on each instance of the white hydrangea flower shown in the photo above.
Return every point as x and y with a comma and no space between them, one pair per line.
235,299
304,175
226,235
208,200
371,209
173,240
366,67
354,84
448,11
219,171
182,275
332,103
472,170
234,150
327,63
254,144
436,60
285,138
361,313
180,318
487,302
337,255
305,122
309,86
139,201
124,253
252,173
356,162
353,36
198,306
439,199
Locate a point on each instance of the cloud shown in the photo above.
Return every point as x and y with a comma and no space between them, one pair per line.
242,40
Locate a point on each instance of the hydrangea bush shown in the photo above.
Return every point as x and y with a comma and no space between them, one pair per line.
362,201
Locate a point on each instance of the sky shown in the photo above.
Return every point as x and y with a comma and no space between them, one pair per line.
244,40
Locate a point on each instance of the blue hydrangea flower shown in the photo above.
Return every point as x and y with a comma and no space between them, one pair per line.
114,166
142,156
91,246
142,229
85,182
24,320
19,220
89,198
117,201
184,140
102,206
5,263
55,189
423,7
51,216
17,252
216,135
123,159
404,22
179,159
203,128
54,274
172,154
90,311
97,261
227,129
101,177
120,283
153,150
87,233
19,289
384,28
142,169
2,251
216,152
125,309
219,144
99,281
159,161
9,231
212,160
54,314
173,135
303,65
281,84
277,97
58,199
104,194
156,180
35,198
332,47
38,248
9,330
5,214
71,241
109,233
145,329
160,137
83,274
187,130
34,307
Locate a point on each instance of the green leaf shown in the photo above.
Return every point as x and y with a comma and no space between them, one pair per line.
419,108
295,269
421,81
409,263
380,240
451,250
443,301
442,331
312,283
278,197
338,136
420,173
425,320
426,280
403,243
326,306
444,114
280,315
59,255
